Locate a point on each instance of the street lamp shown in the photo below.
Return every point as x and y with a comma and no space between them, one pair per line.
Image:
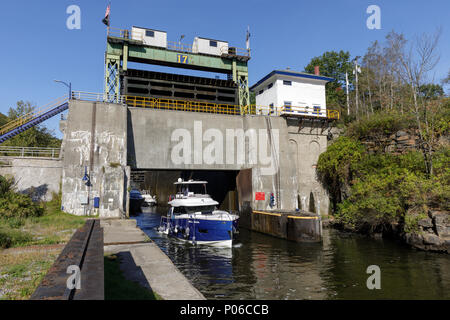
67,85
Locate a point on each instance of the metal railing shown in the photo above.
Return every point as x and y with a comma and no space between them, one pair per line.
139,35
226,50
118,33
29,152
177,46
181,105
98,97
34,114
196,106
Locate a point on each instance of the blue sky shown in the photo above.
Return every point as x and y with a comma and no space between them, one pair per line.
37,47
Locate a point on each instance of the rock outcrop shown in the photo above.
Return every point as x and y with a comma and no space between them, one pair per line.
433,233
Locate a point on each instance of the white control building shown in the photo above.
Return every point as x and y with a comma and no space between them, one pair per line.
286,92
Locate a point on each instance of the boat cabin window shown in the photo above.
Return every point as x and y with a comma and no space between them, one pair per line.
188,210
195,188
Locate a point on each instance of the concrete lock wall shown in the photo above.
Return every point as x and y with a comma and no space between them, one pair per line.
279,161
37,177
306,145
95,142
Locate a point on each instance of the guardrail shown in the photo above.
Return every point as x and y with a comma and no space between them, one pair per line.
78,272
139,35
196,106
97,97
32,152
205,107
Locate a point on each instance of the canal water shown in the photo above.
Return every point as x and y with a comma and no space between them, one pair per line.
263,267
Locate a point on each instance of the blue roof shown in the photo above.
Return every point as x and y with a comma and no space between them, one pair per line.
292,74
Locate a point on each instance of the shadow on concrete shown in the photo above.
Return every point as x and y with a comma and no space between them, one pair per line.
131,148
131,271
37,193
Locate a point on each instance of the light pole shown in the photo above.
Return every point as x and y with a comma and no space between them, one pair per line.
67,85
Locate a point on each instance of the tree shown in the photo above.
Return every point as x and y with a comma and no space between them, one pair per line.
334,65
37,136
415,64
431,91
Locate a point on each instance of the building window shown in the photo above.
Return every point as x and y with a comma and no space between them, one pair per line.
287,106
150,33
212,43
261,91
316,110
270,86
287,83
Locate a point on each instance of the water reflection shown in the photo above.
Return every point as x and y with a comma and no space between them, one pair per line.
263,267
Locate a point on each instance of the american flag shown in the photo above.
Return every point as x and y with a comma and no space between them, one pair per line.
247,41
106,18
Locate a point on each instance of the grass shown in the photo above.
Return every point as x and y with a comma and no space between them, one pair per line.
53,227
119,288
21,272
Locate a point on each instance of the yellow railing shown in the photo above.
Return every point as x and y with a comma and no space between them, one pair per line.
181,105
32,115
197,106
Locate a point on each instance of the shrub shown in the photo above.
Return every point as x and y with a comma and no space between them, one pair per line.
9,237
379,124
14,205
374,201
334,166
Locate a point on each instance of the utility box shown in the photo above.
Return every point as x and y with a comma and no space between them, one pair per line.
150,37
96,202
209,46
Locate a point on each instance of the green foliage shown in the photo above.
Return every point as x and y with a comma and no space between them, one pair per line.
382,188
431,91
9,237
333,64
36,136
15,205
379,124
333,166
3,119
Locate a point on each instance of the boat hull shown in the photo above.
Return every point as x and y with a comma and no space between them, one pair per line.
201,231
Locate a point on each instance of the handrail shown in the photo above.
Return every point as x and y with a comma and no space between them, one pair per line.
12,151
98,97
176,46
138,34
31,115
227,50
196,106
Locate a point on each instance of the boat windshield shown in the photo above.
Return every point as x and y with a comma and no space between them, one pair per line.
188,210
195,188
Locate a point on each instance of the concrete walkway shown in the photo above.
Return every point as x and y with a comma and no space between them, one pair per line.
142,261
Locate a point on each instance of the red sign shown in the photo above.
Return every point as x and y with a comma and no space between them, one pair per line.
260,196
